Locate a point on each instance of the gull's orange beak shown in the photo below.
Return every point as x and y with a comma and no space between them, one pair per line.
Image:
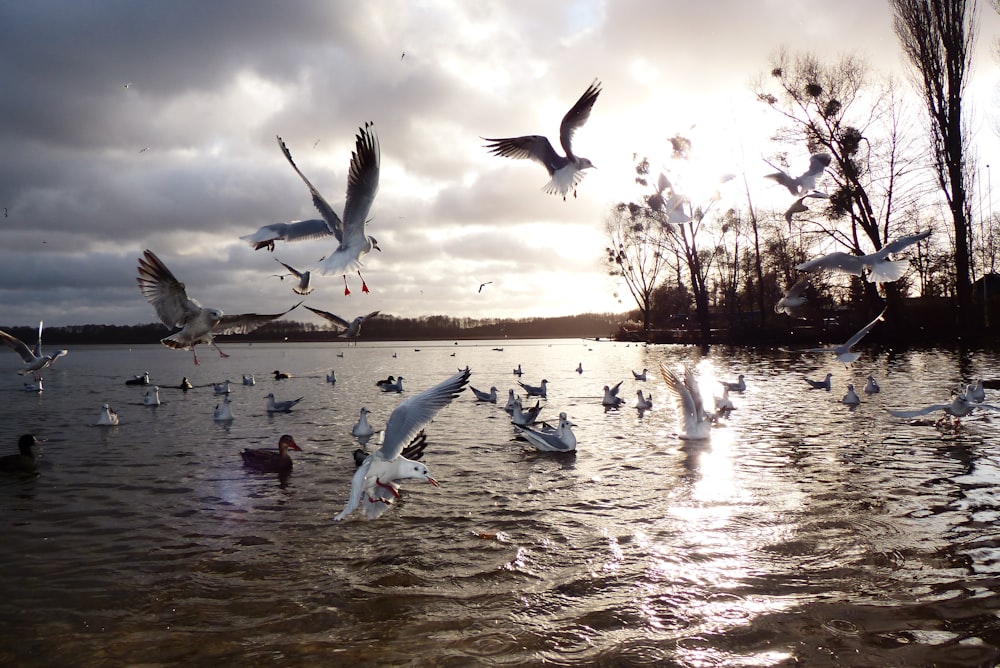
433,482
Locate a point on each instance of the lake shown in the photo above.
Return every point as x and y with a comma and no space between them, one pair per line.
804,532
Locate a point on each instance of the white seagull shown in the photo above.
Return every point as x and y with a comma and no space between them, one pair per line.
223,412
843,352
361,428
488,397
871,387
352,329
385,466
793,301
566,171
108,417
521,417
851,398
175,309
536,390
152,397
611,397
695,424
248,379
820,384
280,406
959,407
511,399
643,403
33,358
304,286
724,404
362,184
561,440
807,180
880,268
739,385
639,376
222,388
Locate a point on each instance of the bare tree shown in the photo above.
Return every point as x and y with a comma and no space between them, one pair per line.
937,37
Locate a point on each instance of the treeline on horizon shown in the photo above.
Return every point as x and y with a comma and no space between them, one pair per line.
384,328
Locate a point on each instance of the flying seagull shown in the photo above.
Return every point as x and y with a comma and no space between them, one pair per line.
176,310
352,329
880,268
386,465
483,285
695,423
805,181
794,300
566,171
799,205
304,285
843,352
33,358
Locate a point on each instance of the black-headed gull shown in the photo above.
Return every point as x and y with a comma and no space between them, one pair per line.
175,309
361,428
566,171
878,265
521,416
724,404
304,286
511,399
223,412
807,180
280,406
248,379
793,301
739,385
300,230
871,386
24,461
139,379
820,384
562,439
271,461
959,407
352,329
851,398
362,184
385,466
517,371
843,351
639,376
643,403
694,422
33,358
799,205
611,397
152,397
108,416
488,397
225,387
540,390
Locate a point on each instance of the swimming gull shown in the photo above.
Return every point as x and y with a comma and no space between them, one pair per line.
521,416
36,386
724,404
139,379
566,171
694,422
820,384
517,371
152,397
561,440
280,406
332,376
385,466
536,390
108,416
248,379
739,385
223,412
34,360
488,397
611,397
639,376
843,351
878,265
393,387
175,309
361,428
643,403
222,388
871,386
851,398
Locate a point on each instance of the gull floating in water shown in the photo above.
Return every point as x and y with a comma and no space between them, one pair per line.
511,399
820,384
271,461
794,300
579,367
280,406
488,397
25,460
695,424
739,385
871,387
566,171
222,388
392,387
304,286
643,403
536,390
517,371
175,309
611,397
248,379
851,398
361,428
331,377
805,181
33,358
562,439
223,412
142,379
880,268
521,416
352,329
639,376
152,397
975,392
724,404
385,466
108,416
843,352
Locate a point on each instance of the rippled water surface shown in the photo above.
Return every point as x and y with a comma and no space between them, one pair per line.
803,533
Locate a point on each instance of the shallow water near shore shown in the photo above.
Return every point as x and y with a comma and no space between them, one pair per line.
804,532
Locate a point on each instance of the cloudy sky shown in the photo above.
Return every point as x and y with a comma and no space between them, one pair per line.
129,125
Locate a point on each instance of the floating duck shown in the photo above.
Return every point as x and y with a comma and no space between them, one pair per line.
270,461
24,461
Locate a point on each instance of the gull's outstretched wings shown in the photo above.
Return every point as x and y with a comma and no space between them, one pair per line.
162,289
362,184
245,323
314,228
577,116
18,346
530,147
861,333
898,245
335,319
331,219
838,261
413,414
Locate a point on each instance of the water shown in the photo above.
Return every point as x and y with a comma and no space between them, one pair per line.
804,533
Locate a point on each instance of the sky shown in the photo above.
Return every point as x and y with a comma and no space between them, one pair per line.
132,125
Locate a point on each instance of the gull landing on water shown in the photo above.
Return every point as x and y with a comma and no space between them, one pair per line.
176,310
381,469
566,171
